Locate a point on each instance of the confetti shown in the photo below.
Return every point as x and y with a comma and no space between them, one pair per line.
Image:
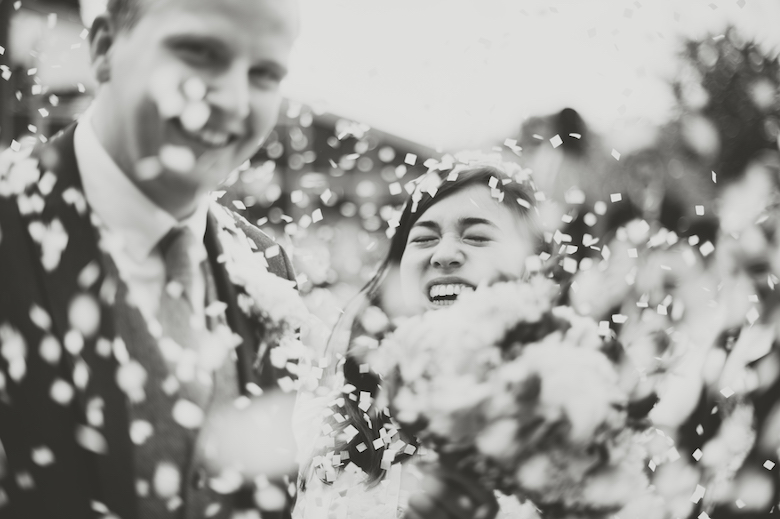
769,465
707,248
84,315
270,499
195,116
61,392
42,456
166,480
187,414
697,454
615,197
178,159
615,154
91,439
316,215
194,89
727,392
131,378
140,431
556,141
410,159
698,494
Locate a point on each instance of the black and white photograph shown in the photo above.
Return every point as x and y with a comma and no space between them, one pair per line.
422,259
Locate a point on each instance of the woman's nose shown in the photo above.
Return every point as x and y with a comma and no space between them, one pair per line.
448,253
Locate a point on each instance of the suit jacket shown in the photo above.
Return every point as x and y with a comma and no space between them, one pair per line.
57,464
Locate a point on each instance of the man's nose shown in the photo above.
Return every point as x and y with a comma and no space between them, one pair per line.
230,94
448,253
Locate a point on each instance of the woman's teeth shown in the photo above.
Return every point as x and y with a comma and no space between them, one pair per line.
445,295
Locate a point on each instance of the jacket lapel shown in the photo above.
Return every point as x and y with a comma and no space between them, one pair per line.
76,283
228,294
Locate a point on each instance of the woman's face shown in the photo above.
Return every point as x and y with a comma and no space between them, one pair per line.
464,239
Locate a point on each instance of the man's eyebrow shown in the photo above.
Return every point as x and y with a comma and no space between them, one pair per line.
274,66
200,39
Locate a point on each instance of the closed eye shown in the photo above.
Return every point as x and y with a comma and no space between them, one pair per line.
477,239
423,240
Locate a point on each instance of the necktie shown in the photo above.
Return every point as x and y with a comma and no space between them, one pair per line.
183,333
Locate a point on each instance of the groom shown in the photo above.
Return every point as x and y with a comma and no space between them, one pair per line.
113,277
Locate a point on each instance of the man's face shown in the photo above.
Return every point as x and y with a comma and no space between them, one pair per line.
193,90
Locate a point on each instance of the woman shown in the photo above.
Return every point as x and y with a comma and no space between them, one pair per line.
461,227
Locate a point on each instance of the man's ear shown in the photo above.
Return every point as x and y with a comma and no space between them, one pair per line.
101,39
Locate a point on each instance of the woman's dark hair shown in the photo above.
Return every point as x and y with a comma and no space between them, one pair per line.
513,189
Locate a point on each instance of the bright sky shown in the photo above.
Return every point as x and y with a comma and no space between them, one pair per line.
463,73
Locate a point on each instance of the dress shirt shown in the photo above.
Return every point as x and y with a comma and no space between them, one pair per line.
131,225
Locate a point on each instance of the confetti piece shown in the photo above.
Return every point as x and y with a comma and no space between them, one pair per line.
195,116
316,215
42,456
270,499
272,251
378,443
619,319
177,158
410,159
769,465
140,431
651,465
194,89
707,248
752,315
361,447
697,454
187,414
131,378
698,494
91,439
615,154
84,315
238,204
699,430
703,515
556,141
61,392
632,253
166,480
727,392
739,503
615,197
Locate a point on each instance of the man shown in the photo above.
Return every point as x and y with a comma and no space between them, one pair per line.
117,288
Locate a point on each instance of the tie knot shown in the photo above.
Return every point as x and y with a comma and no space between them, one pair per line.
182,254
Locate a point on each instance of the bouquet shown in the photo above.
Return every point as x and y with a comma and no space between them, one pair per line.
529,398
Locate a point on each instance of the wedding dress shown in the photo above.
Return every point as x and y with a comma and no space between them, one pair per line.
349,497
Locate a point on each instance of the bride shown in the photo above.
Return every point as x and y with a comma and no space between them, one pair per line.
468,225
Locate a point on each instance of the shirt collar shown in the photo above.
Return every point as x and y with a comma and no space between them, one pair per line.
122,208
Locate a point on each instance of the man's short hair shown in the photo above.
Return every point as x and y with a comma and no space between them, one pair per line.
124,13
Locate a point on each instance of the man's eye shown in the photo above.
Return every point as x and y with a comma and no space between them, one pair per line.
476,238
423,239
265,77
196,54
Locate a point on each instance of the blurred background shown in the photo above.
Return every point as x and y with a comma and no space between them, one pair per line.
651,126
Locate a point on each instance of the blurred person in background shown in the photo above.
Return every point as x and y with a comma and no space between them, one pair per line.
444,245
128,314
